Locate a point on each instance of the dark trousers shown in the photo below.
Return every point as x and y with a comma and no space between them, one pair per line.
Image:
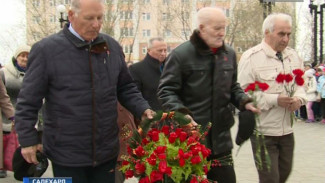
280,150
316,109
322,106
104,173
222,174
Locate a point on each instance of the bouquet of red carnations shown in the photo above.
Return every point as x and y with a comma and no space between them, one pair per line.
290,82
165,151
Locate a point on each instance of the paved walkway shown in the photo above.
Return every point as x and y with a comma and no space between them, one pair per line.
309,157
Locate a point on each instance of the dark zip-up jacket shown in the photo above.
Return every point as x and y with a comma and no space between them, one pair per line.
81,83
201,83
146,75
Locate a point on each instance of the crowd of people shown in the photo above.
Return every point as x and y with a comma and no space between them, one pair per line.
314,110
88,94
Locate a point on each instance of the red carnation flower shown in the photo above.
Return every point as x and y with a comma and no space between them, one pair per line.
298,72
288,78
172,137
129,150
182,136
144,180
181,162
162,156
190,140
196,160
156,176
154,135
250,87
152,159
139,168
194,180
280,78
160,149
204,181
129,174
178,131
299,80
165,130
125,163
163,168
144,141
262,86
139,151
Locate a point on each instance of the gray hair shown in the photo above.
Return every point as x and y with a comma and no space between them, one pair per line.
204,15
160,39
75,5
269,21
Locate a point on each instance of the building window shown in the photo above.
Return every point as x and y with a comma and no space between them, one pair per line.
239,50
166,16
52,2
145,16
125,15
127,49
167,33
146,33
185,1
144,50
166,2
36,3
36,19
67,1
127,31
36,36
146,1
52,18
227,12
186,32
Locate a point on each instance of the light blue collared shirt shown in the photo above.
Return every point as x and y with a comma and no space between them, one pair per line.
74,32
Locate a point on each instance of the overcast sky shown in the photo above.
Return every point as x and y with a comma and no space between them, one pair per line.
12,27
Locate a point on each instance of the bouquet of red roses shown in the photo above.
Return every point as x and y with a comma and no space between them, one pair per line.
290,82
164,151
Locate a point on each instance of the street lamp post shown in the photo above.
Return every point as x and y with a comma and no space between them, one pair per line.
61,9
267,7
314,11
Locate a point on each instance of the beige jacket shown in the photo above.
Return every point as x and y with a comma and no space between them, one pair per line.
8,110
261,64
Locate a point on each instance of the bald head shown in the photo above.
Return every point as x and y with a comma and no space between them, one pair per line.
211,23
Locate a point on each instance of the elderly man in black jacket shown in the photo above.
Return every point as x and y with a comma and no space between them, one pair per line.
200,80
146,73
82,74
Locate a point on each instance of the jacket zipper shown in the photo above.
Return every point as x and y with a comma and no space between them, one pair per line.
93,109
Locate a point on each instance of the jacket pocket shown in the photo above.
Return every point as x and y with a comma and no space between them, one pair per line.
270,79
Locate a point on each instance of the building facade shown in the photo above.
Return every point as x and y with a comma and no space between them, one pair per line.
134,22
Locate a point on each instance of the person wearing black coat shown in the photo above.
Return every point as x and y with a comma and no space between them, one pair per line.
82,75
200,80
146,73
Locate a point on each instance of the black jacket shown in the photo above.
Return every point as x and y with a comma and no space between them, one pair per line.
198,82
81,83
146,74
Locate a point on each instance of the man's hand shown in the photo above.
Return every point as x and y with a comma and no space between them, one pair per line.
284,101
29,153
148,114
250,106
295,104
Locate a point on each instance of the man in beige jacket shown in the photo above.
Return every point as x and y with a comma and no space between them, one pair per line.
263,63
